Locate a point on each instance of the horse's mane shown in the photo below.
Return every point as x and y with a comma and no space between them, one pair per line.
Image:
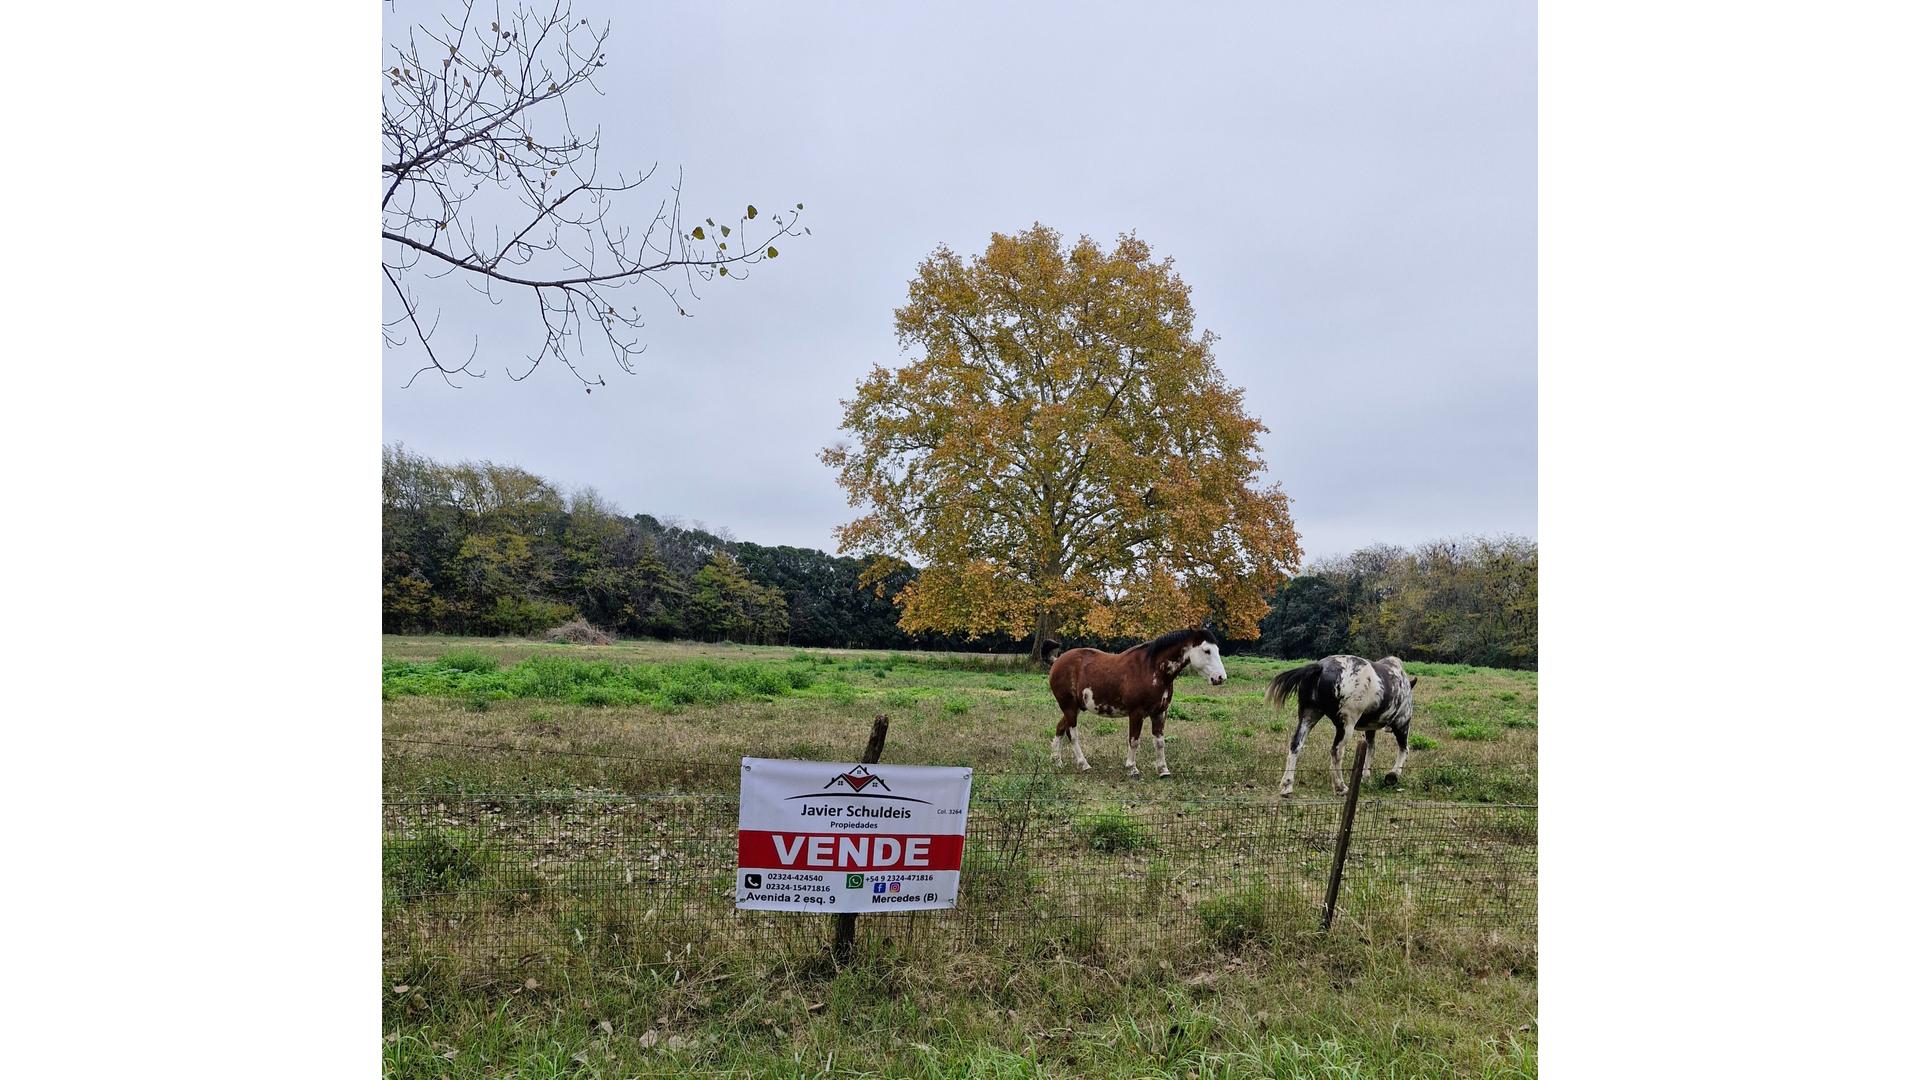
1173,639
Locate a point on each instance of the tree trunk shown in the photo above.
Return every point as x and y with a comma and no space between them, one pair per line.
1043,627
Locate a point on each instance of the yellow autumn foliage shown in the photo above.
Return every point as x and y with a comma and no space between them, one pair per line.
1064,456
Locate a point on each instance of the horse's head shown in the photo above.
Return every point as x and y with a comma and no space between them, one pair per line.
1203,652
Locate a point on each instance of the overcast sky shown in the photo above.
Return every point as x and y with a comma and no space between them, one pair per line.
1349,190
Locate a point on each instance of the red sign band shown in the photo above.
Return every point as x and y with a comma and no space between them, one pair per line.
840,851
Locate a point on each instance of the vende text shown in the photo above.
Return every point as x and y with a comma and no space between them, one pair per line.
824,851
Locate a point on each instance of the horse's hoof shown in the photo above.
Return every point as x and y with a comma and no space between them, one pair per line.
1392,779
1085,767
1287,794
1133,774
1165,775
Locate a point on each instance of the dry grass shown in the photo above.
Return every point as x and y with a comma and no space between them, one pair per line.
579,632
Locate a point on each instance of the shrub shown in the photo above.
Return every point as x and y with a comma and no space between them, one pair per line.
469,660
579,632
513,615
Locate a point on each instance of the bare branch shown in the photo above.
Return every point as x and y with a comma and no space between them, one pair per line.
487,180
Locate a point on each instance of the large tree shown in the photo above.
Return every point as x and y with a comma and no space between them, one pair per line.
1064,456
487,183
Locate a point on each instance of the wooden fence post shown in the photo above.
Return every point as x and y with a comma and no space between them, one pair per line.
1346,829
843,923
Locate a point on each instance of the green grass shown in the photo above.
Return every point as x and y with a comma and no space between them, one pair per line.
1307,1008
1112,829
1256,991
469,660
453,861
555,706
1453,782
472,677
1234,919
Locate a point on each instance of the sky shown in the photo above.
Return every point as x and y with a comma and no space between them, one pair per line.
1348,189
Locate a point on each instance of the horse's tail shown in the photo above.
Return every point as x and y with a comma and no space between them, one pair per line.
1048,650
1301,680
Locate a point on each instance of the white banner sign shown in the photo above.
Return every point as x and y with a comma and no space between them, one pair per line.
823,836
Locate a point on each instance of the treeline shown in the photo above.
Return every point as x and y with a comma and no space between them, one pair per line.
480,548
1471,601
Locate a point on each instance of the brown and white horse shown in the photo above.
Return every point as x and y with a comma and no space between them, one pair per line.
1137,683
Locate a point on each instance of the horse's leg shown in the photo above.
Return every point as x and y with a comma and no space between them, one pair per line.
1073,733
1399,759
1160,744
1060,732
1133,746
1308,718
1367,769
1341,731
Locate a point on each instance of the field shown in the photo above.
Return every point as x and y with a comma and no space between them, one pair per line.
534,757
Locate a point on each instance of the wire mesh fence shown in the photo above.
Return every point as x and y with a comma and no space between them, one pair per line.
500,884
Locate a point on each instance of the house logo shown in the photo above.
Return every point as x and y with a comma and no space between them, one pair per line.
858,782
857,778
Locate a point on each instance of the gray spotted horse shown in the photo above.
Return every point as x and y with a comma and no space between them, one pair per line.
1359,694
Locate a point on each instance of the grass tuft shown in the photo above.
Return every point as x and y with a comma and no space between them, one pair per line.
1112,829
1234,919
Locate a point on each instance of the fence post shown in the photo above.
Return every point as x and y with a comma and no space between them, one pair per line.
1346,830
843,923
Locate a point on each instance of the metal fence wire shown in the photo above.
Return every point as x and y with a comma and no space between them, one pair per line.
503,883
